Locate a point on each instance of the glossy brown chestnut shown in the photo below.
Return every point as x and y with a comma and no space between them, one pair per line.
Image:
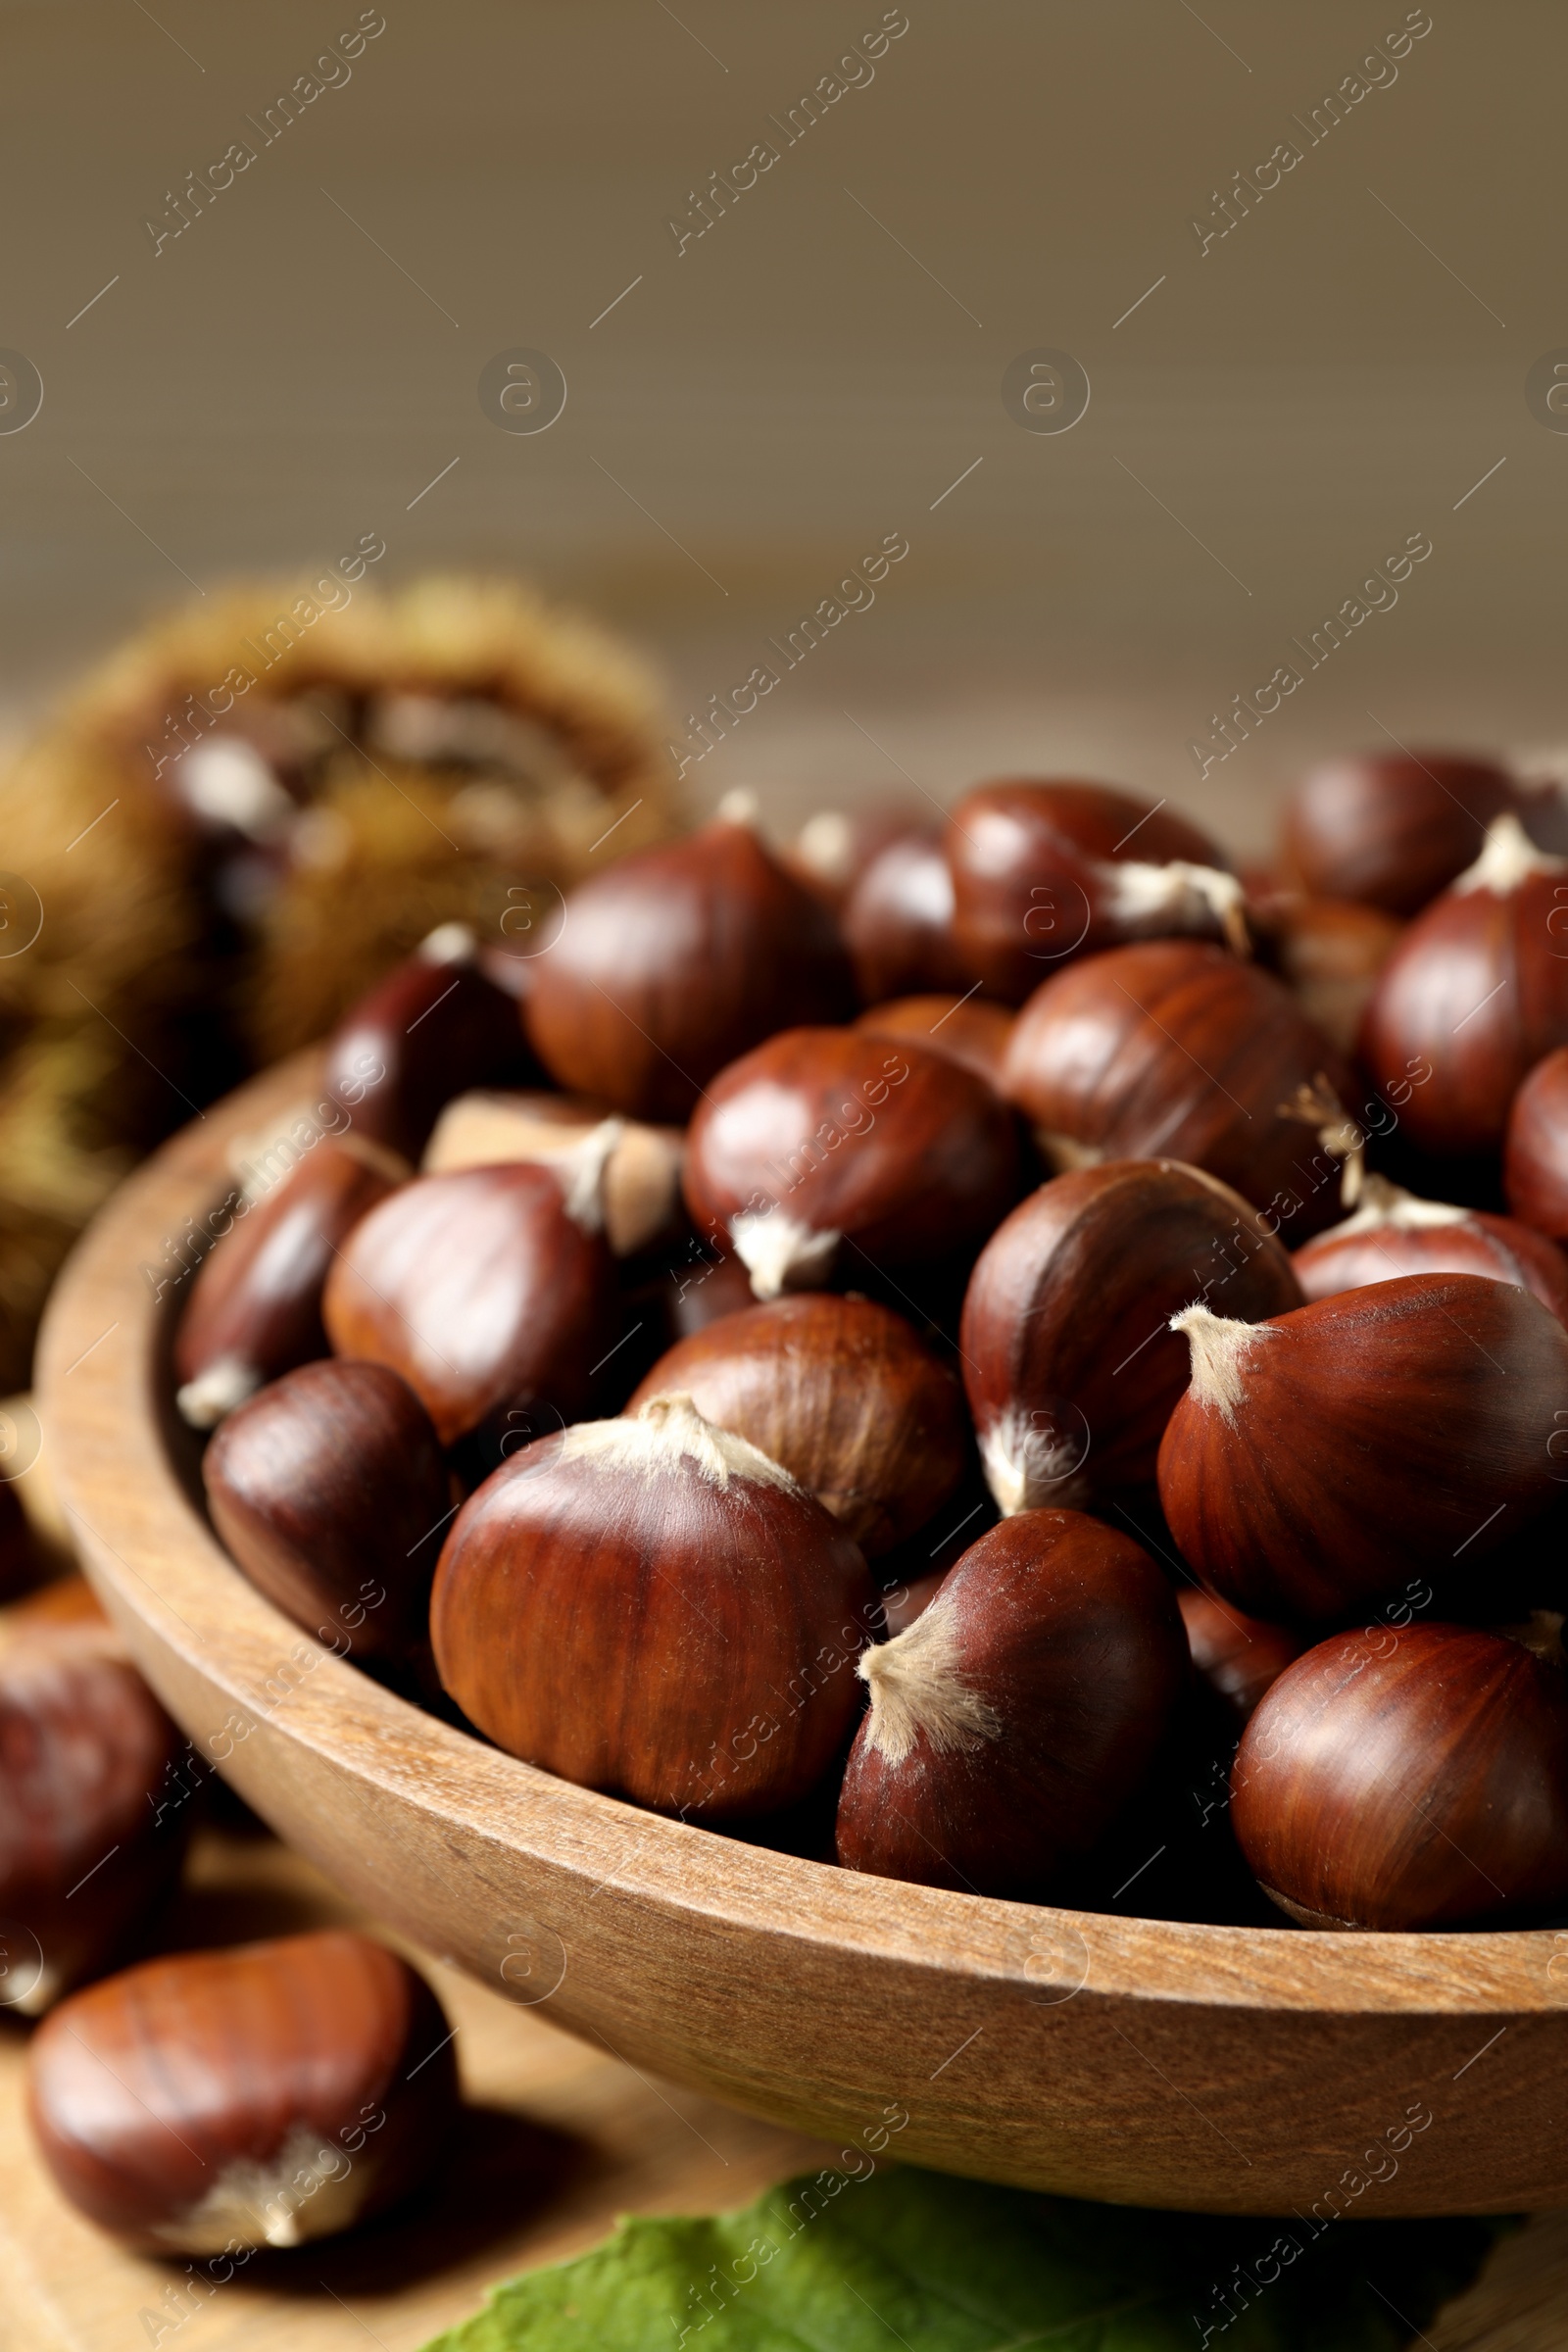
1013,1720
841,1391
642,1202
829,1150
263,2095
1391,828
1044,872
1318,1458
967,1030
255,1308
675,960
435,1026
897,922
1410,1779
1390,1232
331,1490
484,1289
1177,1049
1329,952
1474,994
1535,1155
833,849
1071,1369
654,1607
1237,1657
87,1843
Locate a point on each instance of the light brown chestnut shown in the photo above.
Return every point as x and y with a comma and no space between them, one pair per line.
1391,828
435,1026
1042,871
1236,1657
331,1490
267,2095
897,921
1329,952
1176,1049
1392,1233
1070,1368
1018,1714
641,1203
968,1030
675,960
857,1409
1319,1458
827,1151
652,1606
87,1847
1534,1156
255,1308
490,1291
1411,1779
1474,994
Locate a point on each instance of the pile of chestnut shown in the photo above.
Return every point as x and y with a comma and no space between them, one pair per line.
1010,1356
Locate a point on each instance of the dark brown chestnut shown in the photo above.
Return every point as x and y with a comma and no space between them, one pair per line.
1390,1232
255,1308
675,960
435,1026
641,1203
897,922
843,1393
1473,996
1042,871
1410,1779
1176,1049
86,1849
490,1291
1014,1719
653,1607
264,2095
1237,1657
1391,828
828,1150
1329,952
1535,1155
1317,1459
1071,1369
331,1490
968,1030
833,849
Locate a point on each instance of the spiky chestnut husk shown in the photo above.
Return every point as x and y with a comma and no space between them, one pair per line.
1535,1158
1319,1458
1071,1370
265,2095
1392,1233
654,1607
968,1030
1018,1714
1392,829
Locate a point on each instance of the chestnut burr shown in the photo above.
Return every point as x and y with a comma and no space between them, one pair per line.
1070,1368
435,1026
1391,1232
264,2095
1535,1159
1392,829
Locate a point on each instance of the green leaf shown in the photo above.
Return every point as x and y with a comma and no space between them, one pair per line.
840,2263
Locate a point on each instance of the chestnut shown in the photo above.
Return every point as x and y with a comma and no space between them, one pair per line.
1473,996
1236,1657
1410,1779
843,1393
1175,1048
641,1203
331,1491
436,1025
833,849
897,921
652,1606
1391,828
1018,1714
255,1308
1535,1152
489,1290
1319,1456
827,1149
85,1852
1042,871
1071,1369
1329,952
263,2095
1390,1232
675,960
968,1030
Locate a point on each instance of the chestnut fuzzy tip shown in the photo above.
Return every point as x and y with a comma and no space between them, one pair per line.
215,1392
1220,1349
1180,896
1508,858
668,1431
915,1686
1029,1470
781,1254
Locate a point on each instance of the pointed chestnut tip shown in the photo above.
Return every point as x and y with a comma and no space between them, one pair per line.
743,806
915,1686
1220,1349
448,942
216,1392
584,1172
1508,858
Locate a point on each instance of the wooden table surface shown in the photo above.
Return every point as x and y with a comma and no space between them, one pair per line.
562,2138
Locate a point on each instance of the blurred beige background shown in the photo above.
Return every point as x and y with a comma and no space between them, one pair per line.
758,409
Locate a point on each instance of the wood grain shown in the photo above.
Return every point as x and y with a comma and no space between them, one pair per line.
1235,2070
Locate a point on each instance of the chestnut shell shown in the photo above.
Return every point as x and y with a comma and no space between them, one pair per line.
1389,828
1534,1161
968,1030
897,922
1473,1242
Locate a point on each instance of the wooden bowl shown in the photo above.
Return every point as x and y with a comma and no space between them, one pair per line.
1239,2070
